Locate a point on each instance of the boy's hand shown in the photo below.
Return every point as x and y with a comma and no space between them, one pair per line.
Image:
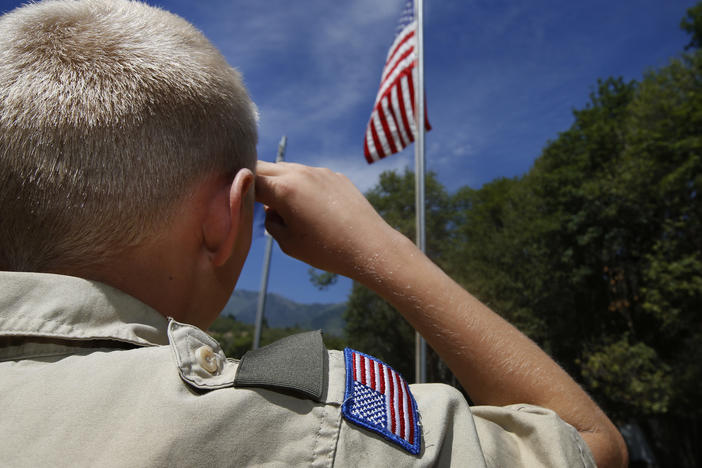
319,217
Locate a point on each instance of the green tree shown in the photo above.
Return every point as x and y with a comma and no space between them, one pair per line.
536,248
236,338
372,325
233,336
375,327
665,133
493,257
692,24
632,375
596,252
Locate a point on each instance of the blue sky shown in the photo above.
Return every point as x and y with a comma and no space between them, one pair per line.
502,78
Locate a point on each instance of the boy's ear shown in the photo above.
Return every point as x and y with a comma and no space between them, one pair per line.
222,225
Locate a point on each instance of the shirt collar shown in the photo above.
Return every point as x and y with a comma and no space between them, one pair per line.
66,307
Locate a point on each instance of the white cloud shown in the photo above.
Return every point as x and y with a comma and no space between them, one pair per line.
363,175
462,150
313,68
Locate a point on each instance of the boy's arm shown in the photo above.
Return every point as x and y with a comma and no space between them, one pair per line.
320,218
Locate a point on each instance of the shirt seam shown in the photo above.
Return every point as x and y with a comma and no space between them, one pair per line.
22,357
338,436
29,333
318,435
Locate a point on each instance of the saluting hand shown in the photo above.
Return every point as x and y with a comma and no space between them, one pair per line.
318,216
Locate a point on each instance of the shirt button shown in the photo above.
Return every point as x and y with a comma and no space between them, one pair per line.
207,359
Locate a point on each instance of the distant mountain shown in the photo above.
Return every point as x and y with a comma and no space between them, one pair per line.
282,312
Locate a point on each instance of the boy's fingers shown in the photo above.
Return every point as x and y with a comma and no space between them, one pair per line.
267,168
264,190
274,223
274,169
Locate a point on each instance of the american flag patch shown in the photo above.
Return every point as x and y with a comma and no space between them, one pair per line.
379,399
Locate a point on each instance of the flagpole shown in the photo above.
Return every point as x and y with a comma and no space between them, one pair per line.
420,344
266,264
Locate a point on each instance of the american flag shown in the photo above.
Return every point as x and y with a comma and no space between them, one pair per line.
392,124
379,399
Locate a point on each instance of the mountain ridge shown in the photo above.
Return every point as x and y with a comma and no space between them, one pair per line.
281,312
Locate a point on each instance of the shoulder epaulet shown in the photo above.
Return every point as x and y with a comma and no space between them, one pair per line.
295,363
378,398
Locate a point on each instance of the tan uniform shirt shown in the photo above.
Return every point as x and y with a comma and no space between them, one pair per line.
89,376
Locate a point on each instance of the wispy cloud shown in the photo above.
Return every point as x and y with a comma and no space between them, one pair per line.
312,68
363,175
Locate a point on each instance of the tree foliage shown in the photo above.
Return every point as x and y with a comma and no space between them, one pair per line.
236,338
692,24
372,325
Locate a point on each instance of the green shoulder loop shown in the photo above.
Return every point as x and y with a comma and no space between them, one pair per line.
295,363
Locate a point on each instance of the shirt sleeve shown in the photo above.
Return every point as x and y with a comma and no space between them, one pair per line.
526,435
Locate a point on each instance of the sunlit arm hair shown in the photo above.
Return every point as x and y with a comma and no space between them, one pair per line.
110,111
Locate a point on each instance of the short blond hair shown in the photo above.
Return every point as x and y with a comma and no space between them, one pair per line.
111,110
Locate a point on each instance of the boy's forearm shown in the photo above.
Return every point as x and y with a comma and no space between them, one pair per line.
495,363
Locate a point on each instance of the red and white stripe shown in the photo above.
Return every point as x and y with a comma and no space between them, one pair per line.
392,123
382,379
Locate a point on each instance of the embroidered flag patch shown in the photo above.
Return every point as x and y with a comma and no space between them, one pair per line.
379,399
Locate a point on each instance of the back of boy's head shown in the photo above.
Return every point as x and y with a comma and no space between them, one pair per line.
110,112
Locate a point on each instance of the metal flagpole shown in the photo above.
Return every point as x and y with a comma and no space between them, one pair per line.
420,344
266,263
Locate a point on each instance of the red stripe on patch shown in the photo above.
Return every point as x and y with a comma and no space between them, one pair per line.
411,416
393,401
